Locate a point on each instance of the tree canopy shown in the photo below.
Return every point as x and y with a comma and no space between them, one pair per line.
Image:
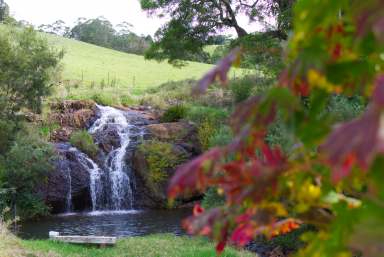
194,22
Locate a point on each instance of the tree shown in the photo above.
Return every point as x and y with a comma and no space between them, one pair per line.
27,64
194,22
4,11
332,175
97,31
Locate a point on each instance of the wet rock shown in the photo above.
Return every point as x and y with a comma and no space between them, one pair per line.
69,176
107,139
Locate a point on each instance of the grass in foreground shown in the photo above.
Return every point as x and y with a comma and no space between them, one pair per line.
161,245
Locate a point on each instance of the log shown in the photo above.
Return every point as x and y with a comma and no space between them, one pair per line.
98,240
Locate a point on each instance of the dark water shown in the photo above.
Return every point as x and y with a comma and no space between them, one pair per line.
120,224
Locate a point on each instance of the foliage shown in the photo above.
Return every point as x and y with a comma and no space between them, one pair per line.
174,113
200,114
104,99
222,136
160,157
194,23
162,245
4,11
206,131
26,165
101,32
331,176
212,199
84,141
26,67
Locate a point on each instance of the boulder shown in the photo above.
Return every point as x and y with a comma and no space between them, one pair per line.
71,115
183,134
150,194
107,139
68,177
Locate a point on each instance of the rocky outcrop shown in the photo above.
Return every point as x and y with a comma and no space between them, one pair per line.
183,141
69,180
71,115
183,134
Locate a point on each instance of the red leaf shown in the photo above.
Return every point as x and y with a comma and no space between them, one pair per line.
219,72
197,210
220,247
192,175
358,140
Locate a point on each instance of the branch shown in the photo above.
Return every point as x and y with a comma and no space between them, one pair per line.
249,5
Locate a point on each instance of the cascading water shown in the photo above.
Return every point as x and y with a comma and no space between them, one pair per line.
110,176
69,195
121,195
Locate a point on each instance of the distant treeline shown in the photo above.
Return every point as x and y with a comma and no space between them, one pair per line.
101,32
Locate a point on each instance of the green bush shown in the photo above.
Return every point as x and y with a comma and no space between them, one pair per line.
26,165
174,113
222,136
212,199
104,99
206,130
160,157
242,88
200,114
84,141
126,100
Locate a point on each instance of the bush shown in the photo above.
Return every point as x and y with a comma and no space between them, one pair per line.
205,132
212,199
126,100
221,137
84,141
200,114
242,88
160,157
25,166
174,113
104,99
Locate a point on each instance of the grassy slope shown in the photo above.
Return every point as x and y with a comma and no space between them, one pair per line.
162,245
133,72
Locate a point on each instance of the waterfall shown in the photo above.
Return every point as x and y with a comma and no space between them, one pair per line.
96,185
121,197
69,194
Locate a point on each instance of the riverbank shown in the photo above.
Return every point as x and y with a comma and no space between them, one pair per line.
160,245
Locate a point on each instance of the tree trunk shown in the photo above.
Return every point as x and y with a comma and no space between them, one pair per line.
240,31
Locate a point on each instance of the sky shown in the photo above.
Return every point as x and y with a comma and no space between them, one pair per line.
40,12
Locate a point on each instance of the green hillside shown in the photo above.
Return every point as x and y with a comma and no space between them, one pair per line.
86,64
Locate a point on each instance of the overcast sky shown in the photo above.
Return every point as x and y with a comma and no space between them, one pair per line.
47,11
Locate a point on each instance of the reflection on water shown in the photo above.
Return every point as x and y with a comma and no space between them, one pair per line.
118,223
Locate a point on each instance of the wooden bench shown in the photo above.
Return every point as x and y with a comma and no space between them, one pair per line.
97,240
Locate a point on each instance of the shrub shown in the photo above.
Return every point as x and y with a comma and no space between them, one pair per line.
160,157
126,100
242,88
222,136
104,99
174,113
84,141
25,166
199,114
212,199
205,131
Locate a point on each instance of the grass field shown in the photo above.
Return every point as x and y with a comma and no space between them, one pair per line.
162,245
86,66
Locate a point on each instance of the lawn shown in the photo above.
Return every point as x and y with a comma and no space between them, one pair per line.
161,245
86,64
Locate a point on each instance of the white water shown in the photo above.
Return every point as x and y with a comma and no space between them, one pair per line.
121,191
94,175
69,194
